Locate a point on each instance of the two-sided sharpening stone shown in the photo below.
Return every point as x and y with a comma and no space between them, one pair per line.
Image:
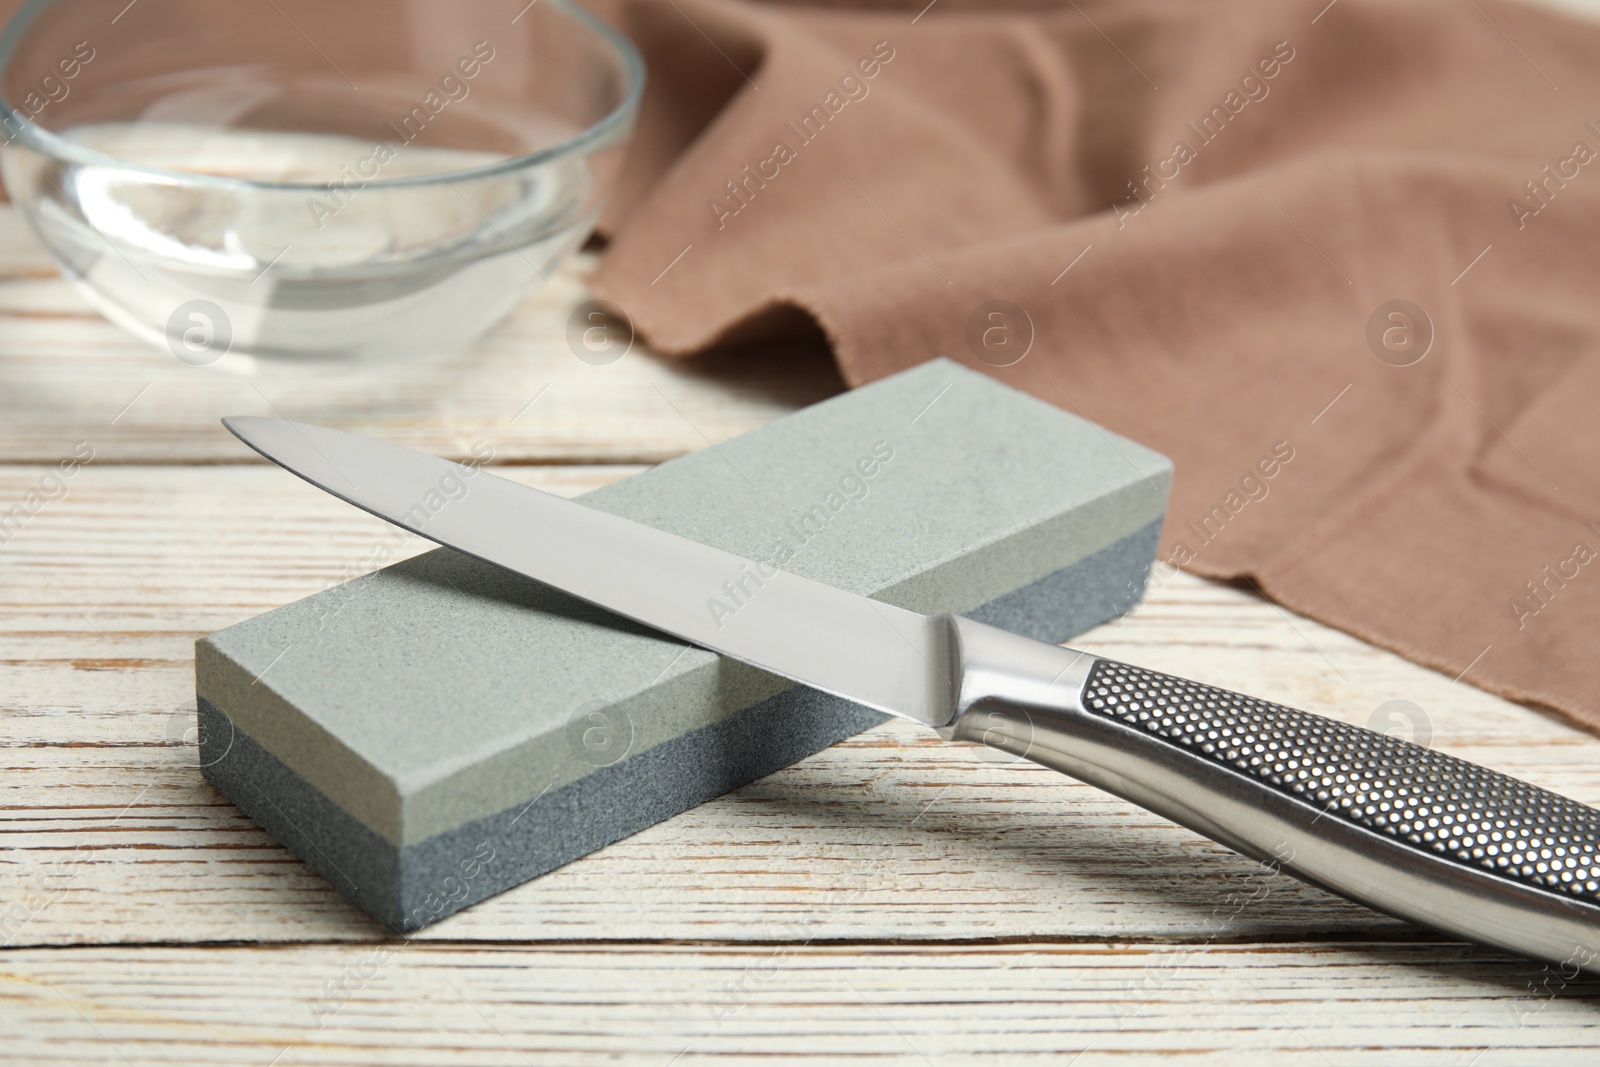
441,730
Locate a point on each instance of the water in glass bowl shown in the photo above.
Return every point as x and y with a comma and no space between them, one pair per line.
344,262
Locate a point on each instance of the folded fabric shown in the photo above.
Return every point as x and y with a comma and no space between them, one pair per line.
1339,260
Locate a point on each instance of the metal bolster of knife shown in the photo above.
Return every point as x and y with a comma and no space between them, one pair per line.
1416,833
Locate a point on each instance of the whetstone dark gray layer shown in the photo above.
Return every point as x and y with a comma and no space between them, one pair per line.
438,731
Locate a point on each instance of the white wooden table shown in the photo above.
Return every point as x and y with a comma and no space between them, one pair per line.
894,899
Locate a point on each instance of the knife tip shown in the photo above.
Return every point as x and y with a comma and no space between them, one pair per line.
256,431
240,425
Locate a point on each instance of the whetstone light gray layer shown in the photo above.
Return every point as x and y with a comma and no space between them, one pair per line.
440,730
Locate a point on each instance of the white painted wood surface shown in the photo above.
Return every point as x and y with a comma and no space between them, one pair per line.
894,898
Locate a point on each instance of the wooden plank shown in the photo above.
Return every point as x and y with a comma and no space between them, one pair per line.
67,375
1089,1003
103,593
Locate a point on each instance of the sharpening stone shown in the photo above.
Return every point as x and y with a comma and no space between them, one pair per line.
440,730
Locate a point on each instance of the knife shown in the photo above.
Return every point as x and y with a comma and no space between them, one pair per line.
1415,833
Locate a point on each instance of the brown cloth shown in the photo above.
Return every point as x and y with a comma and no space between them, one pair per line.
1190,220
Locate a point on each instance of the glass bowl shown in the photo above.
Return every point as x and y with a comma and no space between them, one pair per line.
306,179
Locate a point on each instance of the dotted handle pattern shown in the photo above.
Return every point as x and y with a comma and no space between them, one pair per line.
1458,810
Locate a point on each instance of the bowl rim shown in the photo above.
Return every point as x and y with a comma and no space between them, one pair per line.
613,127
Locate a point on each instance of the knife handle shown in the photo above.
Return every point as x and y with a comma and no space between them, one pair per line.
1412,832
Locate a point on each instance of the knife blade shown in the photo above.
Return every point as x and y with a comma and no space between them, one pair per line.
873,653
1405,829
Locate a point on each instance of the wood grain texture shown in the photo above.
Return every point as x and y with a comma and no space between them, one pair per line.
1091,1003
